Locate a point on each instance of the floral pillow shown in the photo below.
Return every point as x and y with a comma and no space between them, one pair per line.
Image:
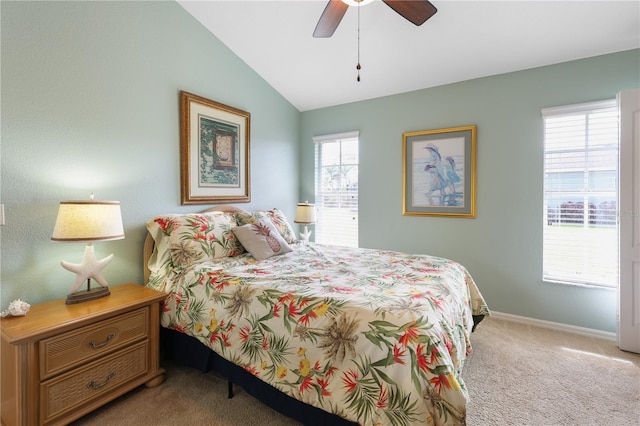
277,218
261,239
183,240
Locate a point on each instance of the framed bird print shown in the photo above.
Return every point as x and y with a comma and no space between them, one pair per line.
439,172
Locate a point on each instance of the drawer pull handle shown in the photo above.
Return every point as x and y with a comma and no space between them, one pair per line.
94,385
93,344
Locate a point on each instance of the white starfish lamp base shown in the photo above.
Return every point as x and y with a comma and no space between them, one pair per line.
90,267
304,236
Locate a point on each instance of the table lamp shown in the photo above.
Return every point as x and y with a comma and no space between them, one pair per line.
88,221
305,214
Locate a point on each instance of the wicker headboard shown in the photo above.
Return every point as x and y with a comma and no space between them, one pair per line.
147,250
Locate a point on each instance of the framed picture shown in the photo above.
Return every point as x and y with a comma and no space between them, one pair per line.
439,172
214,152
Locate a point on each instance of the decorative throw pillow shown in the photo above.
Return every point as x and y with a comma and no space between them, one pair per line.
277,218
183,240
261,239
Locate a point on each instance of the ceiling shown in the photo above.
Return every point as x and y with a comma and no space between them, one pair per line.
463,40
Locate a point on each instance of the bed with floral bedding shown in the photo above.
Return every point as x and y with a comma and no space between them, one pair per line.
370,336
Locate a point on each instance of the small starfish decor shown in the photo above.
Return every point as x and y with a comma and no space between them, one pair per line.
90,267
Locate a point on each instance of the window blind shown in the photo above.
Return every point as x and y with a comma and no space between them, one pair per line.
580,236
336,189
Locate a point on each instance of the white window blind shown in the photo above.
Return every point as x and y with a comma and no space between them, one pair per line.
580,238
336,189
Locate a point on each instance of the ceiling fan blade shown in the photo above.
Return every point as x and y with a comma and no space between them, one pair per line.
330,18
415,11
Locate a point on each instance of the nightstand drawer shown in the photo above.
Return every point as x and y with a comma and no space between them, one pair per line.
87,343
78,387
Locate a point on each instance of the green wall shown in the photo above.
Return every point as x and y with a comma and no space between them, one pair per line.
90,104
502,246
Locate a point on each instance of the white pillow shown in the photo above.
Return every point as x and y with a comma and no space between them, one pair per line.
261,239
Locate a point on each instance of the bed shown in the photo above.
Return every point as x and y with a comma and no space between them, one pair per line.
324,334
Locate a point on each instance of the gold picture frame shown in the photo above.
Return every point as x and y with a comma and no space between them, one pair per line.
439,172
214,152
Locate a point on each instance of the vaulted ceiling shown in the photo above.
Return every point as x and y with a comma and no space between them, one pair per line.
463,40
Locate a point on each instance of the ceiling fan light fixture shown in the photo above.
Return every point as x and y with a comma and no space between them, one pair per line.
357,2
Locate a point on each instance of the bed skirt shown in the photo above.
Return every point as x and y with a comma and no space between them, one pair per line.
188,351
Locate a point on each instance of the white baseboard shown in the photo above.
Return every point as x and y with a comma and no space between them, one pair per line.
590,332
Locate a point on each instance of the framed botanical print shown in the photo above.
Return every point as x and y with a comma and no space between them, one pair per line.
214,152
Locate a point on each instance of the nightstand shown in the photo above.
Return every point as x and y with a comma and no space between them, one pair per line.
60,362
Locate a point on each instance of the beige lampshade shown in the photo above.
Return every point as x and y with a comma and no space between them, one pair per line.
305,213
88,221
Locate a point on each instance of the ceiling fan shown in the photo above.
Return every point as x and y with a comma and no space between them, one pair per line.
415,11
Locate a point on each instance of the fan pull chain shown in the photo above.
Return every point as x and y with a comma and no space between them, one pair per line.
358,67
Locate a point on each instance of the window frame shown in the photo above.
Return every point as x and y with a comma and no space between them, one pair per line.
350,230
585,193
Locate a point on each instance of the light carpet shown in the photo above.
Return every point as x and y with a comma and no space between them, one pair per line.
517,375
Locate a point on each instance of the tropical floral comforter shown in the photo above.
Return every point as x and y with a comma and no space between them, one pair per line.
377,337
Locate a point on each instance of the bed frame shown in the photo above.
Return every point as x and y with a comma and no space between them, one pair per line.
188,351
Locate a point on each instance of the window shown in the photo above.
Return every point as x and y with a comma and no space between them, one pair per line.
336,189
580,238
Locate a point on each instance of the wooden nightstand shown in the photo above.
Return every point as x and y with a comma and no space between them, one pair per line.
60,362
